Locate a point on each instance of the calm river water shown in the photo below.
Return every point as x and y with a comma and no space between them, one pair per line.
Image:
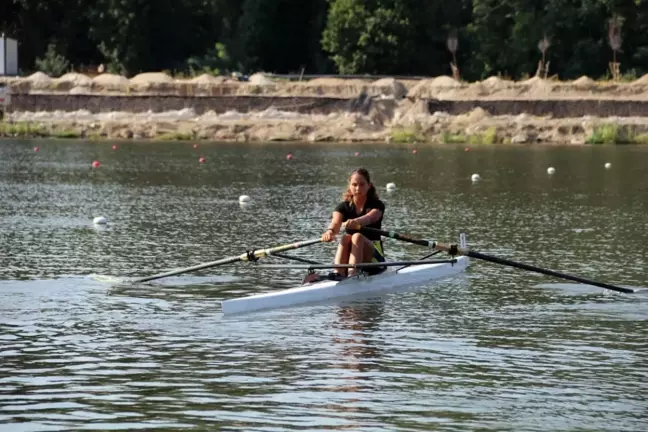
496,349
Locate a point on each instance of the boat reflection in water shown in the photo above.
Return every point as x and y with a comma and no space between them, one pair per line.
359,354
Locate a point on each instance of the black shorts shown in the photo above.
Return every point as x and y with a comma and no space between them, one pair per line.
378,256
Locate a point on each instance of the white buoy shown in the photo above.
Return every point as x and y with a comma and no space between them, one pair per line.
608,165
100,220
244,199
391,186
551,170
475,177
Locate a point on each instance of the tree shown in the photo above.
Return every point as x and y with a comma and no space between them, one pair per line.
367,37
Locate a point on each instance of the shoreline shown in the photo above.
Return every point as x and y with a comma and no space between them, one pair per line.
154,106
406,124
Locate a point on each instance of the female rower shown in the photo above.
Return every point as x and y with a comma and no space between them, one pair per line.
361,206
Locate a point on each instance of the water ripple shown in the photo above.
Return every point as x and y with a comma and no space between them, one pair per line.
496,349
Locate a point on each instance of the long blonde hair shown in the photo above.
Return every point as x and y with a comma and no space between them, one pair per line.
371,193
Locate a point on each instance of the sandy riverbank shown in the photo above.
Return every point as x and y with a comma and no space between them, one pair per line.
398,110
412,124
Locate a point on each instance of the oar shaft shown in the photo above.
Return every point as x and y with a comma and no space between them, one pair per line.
548,272
260,253
391,234
191,269
455,250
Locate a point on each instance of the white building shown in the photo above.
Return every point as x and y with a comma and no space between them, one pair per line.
8,56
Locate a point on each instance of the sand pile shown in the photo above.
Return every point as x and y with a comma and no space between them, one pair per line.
149,78
206,79
209,85
153,82
110,82
537,87
390,87
434,87
584,81
492,86
641,81
70,81
37,81
532,81
496,83
332,87
75,79
260,79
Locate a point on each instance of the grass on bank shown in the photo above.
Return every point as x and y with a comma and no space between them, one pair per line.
176,136
407,135
35,130
488,136
602,134
615,134
414,134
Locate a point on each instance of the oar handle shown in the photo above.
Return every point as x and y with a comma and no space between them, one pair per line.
390,234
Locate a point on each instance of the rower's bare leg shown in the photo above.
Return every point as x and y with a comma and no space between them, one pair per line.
342,255
361,251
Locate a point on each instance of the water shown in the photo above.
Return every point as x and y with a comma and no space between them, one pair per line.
496,349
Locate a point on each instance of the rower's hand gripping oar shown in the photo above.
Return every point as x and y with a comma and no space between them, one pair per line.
455,250
248,256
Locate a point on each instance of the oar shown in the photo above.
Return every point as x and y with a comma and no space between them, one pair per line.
248,256
455,250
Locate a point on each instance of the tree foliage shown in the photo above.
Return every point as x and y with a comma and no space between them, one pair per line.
404,37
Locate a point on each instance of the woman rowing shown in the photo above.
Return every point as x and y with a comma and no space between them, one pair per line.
361,206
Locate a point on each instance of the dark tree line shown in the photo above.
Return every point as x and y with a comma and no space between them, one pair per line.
387,37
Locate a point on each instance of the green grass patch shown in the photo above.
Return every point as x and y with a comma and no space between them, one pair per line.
641,138
489,136
95,136
449,138
406,135
611,134
22,129
175,136
66,133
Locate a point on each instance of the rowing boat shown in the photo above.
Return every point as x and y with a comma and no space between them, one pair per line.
361,283
399,275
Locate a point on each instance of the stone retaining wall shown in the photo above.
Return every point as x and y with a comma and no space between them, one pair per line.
557,108
218,104
319,105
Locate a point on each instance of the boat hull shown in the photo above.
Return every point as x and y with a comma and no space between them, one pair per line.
325,290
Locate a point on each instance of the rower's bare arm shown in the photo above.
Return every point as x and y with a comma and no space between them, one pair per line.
373,216
336,222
